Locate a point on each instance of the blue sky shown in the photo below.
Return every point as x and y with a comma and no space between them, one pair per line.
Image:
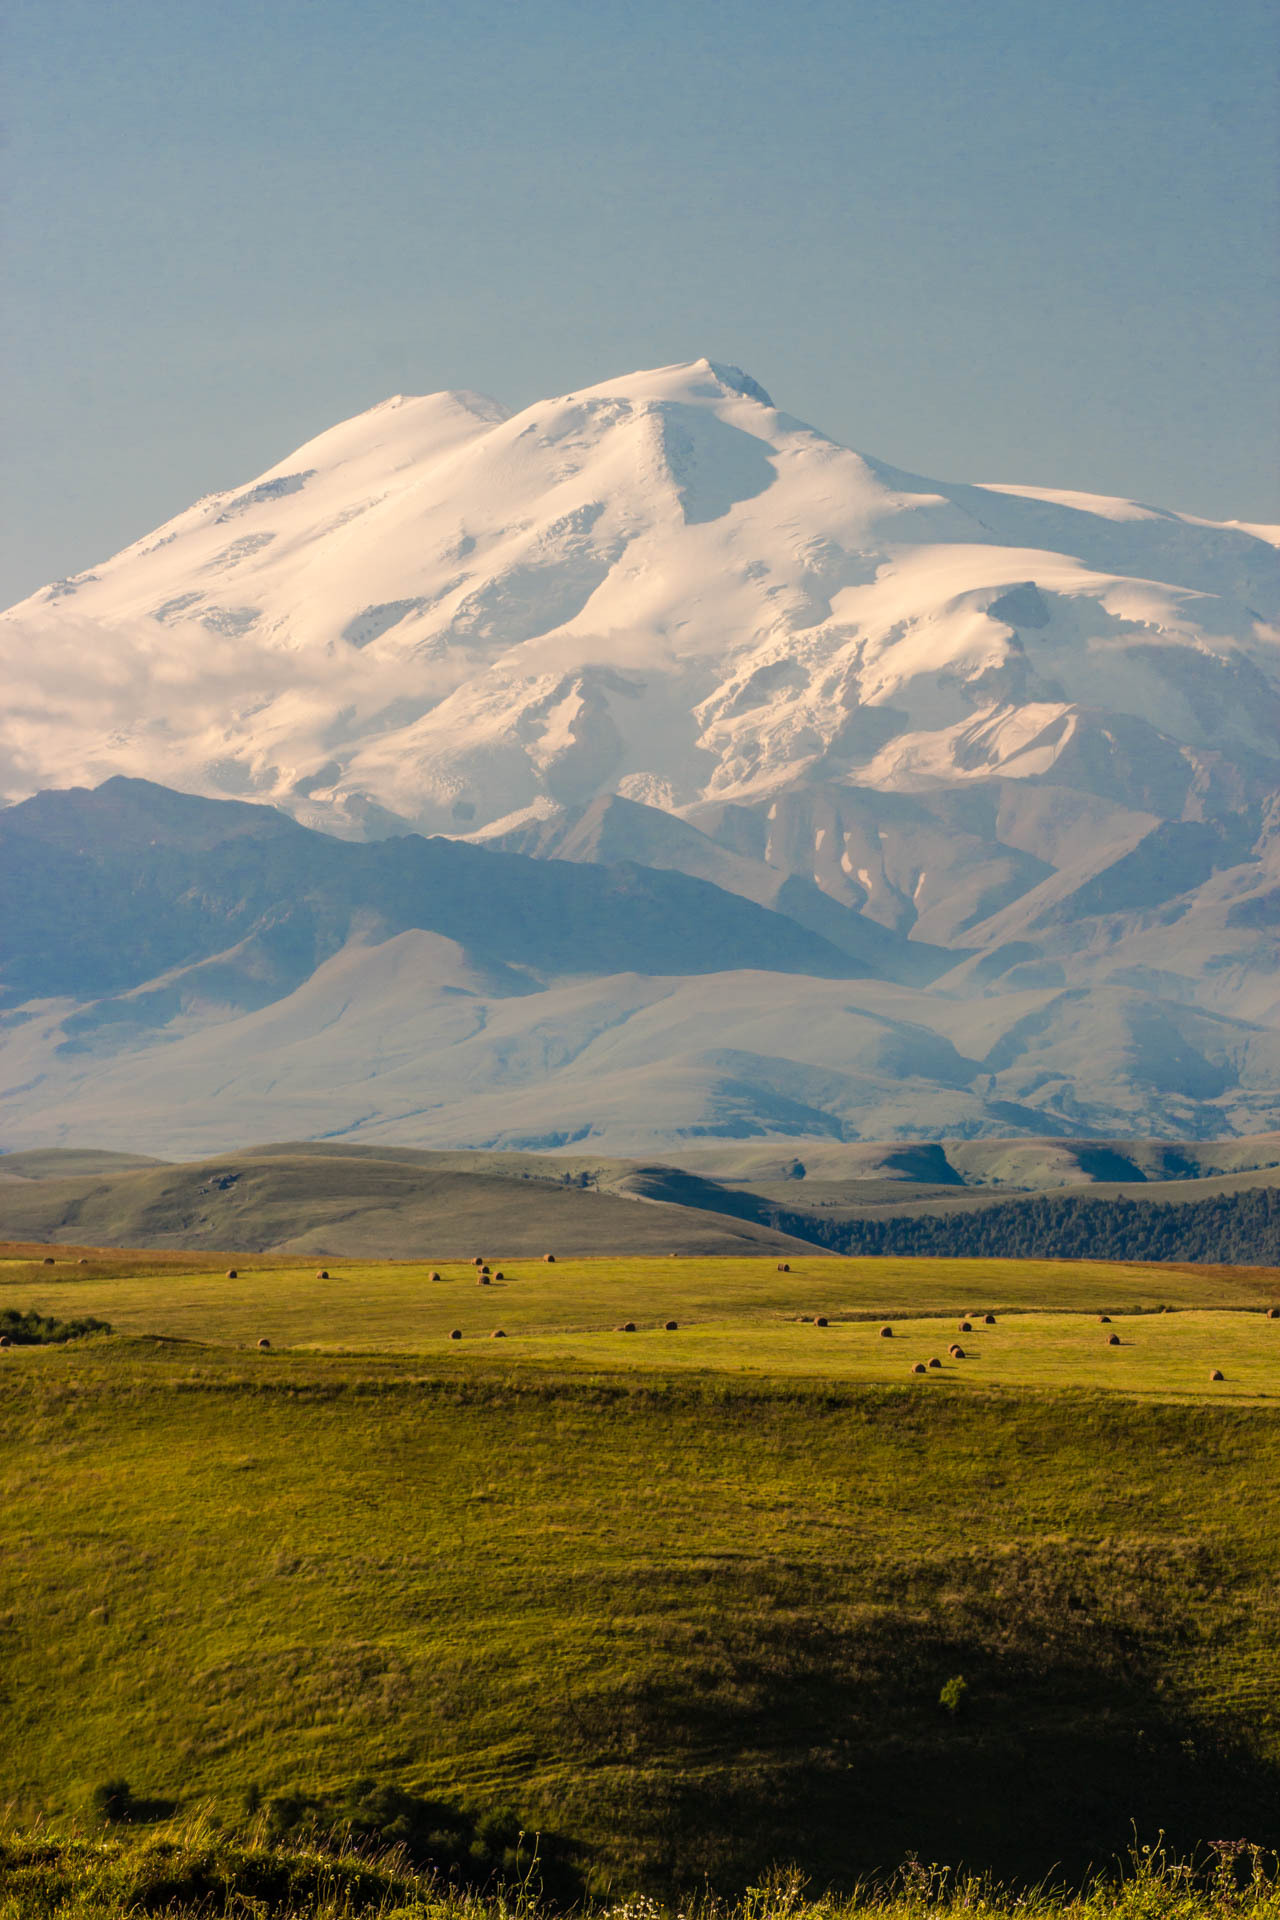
1007,241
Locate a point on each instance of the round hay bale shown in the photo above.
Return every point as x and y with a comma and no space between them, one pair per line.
1273,1313
628,1326
1113,1339
5,1340
48,1260
784,1266
671,1326
433,1275
456,1334
988,1319
499,1275
551,1259
82,1261
919,1367
322,1273
478,1261
233,1273
264,1343
935,1362
1217,1374
485,1267
482,1280
820,1320
498,1334
886,1333
957,1353
965,1327
1104,1319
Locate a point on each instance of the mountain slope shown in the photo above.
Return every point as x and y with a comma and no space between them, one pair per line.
178,987
660,586
103,892
785,793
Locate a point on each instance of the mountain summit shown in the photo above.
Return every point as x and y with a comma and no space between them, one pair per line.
910,806
440,615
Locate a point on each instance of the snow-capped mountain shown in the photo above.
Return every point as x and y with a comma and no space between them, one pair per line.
661,587
999,768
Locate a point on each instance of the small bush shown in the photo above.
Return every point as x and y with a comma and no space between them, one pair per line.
32,1329
953,1696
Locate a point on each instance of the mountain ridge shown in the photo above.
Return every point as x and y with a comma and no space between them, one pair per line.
662,586
841,802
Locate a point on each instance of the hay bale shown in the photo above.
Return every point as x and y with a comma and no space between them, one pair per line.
322,1273
886,1333
957,1353
1217,1374
499,1275
478,1261
1273,1313
551,1259
1113,1339
1104,1319
820,1320
456,1334
485,1268
433,1275
628,1326
670,1326
482,1280
5,1340
988,1319
233,1273
784,1266
919,1367
48,1260
497,1334
264,1343
82,1261
935,1362
965,1327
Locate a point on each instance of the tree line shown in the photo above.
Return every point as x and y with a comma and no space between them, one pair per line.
1230,1229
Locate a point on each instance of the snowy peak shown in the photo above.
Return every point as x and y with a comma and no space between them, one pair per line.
443,615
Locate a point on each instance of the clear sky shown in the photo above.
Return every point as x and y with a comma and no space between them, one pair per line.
1012,240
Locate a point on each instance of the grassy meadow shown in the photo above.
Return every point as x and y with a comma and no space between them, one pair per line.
689,1603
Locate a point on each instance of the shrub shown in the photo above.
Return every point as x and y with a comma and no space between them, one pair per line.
953,1695
32,1329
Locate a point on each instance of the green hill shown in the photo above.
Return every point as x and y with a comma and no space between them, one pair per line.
693,1601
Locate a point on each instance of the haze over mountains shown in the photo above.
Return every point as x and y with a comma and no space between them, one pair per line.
807,797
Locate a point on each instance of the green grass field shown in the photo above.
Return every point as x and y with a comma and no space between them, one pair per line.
689,1599
732,1314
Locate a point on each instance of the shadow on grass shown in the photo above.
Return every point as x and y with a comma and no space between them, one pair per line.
843,1744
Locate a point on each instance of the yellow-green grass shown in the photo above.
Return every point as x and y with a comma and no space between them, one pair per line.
689,1596
1166,1354
701,1623
369,1306
188,1869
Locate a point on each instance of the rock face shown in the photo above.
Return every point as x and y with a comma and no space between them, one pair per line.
1006,759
